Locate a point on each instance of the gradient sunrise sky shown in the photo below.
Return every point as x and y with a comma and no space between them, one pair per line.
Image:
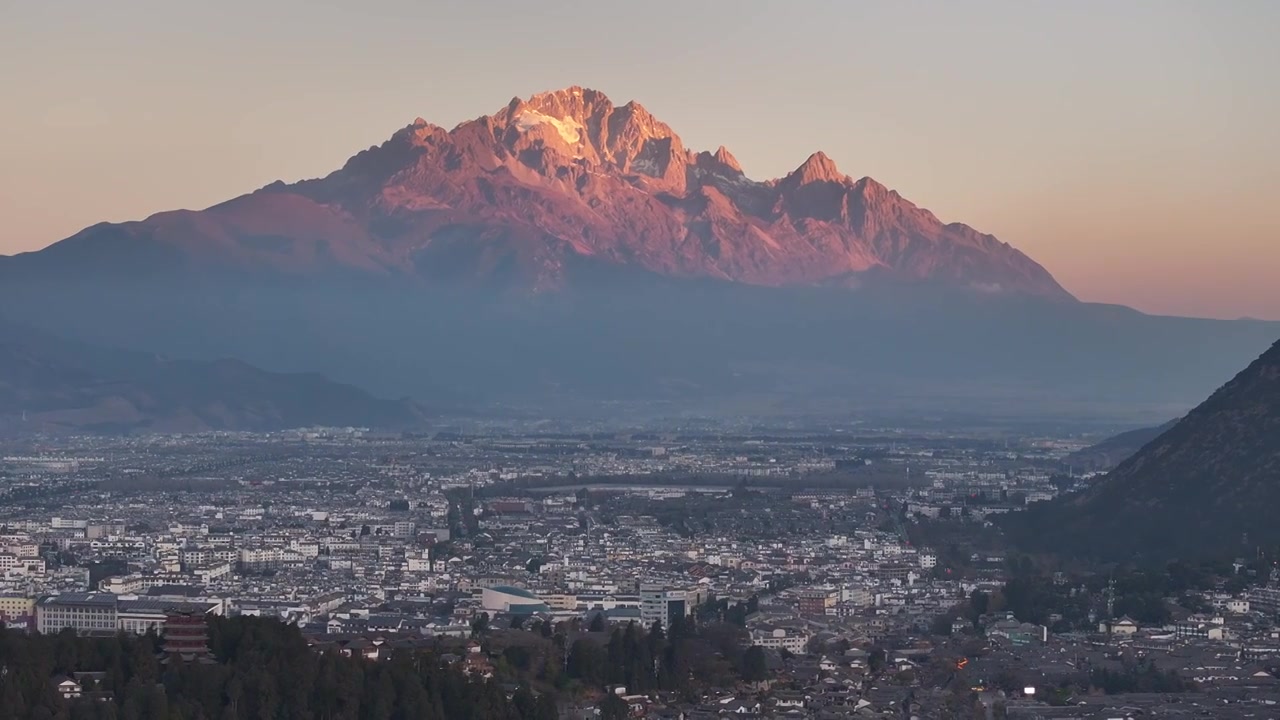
1130,146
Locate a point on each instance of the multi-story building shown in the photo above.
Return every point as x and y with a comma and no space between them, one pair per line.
195,556
892,572
138,582
418,564
19,545
662,604
560,600
857,597
269,557
779,639
306,548
11,564
60,523
83,612
1265,599
1198,627
211,573
817,601
96,530
187,529
604,601
140,615
17,611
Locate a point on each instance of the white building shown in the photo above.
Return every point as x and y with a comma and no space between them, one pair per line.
509,599
779,639
661,604
83,612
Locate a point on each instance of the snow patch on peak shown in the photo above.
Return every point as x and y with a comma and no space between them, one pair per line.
570,130
644,166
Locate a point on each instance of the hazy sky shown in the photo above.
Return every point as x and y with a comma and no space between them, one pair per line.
1132,147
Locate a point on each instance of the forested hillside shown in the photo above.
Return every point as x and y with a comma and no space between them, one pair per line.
263,669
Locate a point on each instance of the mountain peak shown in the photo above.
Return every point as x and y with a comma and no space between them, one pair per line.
579,104
817,168
581,125
564,176
872,189
575,101
724,157
564,93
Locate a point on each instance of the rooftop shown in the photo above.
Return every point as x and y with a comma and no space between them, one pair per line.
92,598
510,590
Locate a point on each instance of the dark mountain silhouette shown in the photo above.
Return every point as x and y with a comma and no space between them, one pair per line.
1112,451
565,251
1207,487
49,385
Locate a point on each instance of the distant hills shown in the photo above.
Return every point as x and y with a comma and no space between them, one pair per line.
1206,487
1114,450
565,254
52,385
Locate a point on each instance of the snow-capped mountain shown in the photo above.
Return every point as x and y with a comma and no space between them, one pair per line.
568,173
565,251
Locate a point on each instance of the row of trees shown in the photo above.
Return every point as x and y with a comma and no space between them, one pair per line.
1143,677
686,658
1140,594
262,669
1128,677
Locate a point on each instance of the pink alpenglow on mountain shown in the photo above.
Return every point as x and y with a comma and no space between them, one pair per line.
565,251
569,174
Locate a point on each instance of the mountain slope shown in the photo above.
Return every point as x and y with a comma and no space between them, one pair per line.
1206,487
1112,451
48,384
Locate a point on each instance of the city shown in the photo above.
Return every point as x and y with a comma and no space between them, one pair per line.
865,569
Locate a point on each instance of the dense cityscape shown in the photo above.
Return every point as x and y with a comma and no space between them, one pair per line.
804,574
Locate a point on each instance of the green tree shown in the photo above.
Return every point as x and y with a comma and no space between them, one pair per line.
613,707
754,667
877,659
480,626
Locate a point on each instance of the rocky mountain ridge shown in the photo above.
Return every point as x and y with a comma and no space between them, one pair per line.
515,197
